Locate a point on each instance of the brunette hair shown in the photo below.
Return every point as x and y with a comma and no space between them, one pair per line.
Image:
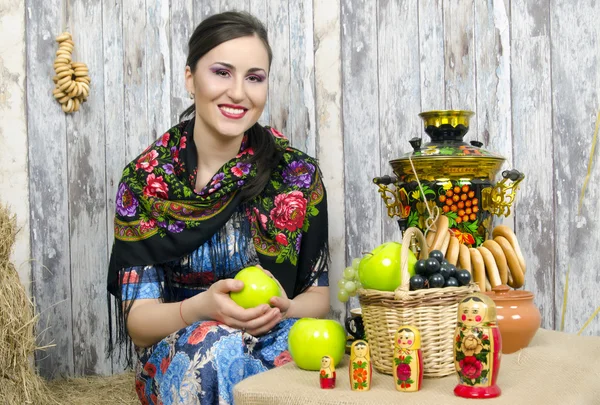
210,33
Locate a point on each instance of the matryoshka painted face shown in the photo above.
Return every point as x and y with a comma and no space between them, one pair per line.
406,339
472,312
361,350
325,362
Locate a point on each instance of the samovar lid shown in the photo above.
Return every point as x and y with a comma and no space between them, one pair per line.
447,155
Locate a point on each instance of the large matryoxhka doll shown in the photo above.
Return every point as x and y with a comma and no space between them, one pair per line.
477,348
408,359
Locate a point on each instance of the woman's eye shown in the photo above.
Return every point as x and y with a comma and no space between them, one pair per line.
256,79
222,73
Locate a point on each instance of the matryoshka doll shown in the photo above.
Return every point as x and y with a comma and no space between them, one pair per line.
477,348
408,359
360,368
327,374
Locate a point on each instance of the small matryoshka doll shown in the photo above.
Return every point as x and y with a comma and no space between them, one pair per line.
408,359
360,368
477,348
327,374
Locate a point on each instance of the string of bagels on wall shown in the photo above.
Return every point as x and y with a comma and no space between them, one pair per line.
71,80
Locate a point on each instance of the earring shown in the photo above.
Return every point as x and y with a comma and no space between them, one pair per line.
191,96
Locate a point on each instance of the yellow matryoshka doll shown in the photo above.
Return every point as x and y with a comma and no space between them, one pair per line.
477,348
360,368
327,374
408,359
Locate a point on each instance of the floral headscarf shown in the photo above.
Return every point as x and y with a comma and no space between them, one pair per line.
159,217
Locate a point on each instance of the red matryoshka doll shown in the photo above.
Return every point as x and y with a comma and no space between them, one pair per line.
360,368
477,348
408,359
327,374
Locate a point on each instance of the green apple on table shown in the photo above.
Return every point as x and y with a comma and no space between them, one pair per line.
310,339
380,269
258,289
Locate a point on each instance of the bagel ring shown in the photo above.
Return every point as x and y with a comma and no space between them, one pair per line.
445,243
503,230
453,250
441,232
430,237
478,268
500,259
510,281
516,273
491,268
464,258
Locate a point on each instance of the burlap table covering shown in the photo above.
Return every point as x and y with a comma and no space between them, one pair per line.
556,368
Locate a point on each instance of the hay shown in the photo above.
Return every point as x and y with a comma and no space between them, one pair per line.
114,390
19,383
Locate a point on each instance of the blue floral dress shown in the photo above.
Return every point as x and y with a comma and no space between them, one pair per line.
200,364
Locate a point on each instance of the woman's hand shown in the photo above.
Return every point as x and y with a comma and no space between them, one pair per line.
222,308
283,303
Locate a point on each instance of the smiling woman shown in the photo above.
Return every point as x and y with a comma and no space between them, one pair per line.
213,195
229,86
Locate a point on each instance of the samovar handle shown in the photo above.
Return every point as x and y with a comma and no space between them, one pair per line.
513,175
499,198
385,180
392,196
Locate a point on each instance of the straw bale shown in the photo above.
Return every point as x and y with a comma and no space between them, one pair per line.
8,231
19,383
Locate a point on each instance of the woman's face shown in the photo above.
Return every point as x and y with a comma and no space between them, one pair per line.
230,85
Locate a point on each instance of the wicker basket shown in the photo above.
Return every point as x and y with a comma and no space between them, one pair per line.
432,311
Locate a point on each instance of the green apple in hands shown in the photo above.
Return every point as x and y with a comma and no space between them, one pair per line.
258,288
380,269
310,339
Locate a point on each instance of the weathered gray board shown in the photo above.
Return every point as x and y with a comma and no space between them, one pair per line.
348,80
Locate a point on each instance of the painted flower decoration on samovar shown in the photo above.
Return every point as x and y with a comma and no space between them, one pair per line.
457,179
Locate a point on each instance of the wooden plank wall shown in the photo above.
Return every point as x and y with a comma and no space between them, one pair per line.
348,80
49,193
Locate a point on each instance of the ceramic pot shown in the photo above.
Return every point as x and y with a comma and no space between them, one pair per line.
456,177
518,317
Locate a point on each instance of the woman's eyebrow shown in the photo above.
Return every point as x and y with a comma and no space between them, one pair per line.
231,67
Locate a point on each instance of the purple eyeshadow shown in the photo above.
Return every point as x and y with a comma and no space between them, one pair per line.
217,68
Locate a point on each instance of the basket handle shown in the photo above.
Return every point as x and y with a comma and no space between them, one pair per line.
406,240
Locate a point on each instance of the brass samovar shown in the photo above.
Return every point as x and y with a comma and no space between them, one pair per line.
456,177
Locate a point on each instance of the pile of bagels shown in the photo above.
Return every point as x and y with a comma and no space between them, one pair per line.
497,261
72,80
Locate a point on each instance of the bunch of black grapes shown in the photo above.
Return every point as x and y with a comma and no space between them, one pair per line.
436,272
